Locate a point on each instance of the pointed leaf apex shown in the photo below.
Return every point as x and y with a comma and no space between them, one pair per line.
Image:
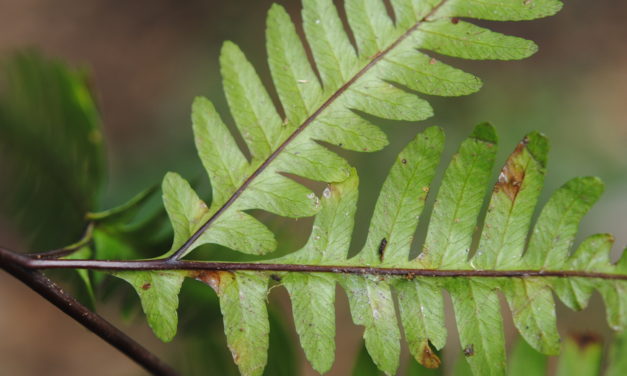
532,48
227,51
202,103
485,132
275,7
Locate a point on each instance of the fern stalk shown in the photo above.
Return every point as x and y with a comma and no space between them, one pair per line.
379,77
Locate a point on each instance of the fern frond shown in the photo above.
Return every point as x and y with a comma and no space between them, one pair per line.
322,103
385,267
381,77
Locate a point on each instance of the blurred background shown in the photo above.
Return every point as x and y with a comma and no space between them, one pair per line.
146,61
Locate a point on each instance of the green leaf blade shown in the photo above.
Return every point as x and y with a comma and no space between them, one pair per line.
480,325
251,106
512,205
427,75
421,307
313,304
533,311
559,221
465,40
243,305
223,160
502,10
372,306
458,202
296,83
158,292
402,199
334,55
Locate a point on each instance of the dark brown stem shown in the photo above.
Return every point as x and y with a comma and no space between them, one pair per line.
14,264
164,264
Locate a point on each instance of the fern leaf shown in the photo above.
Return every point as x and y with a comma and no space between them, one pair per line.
384,266
324,103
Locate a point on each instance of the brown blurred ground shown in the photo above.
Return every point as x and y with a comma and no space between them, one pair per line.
150,58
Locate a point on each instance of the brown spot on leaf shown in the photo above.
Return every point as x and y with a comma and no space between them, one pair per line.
275,277
469,350
210,277
427,357
146,286
512,175
404,161
432,61
382,245
454,20
584,340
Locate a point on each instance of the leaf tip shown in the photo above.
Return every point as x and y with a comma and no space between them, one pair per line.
485,132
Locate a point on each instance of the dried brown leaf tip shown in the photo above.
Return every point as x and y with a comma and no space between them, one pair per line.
427,357
513,173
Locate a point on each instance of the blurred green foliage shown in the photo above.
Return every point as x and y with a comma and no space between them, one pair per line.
51,149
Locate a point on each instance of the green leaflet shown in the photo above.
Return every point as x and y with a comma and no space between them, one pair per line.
557,226
313,304
533,310
313,295
480,325
325,103
401,201
501,10
242,298
158,292
512,204
243,305
421,306
372,306
458,202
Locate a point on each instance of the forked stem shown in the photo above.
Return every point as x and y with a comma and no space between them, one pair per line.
37,281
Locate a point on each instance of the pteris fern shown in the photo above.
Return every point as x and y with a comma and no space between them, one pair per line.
324,103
